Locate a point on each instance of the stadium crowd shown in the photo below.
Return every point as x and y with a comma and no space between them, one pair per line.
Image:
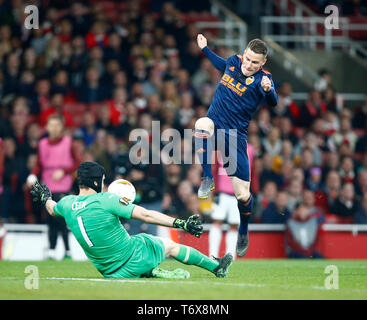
109,68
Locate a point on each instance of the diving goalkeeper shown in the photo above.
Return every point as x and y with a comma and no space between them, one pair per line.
93,218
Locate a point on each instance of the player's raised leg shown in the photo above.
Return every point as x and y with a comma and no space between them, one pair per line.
204,129
191,256
245,204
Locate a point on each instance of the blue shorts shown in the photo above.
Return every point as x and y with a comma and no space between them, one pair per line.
233,147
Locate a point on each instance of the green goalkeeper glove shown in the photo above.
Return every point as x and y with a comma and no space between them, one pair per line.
40,193
191,225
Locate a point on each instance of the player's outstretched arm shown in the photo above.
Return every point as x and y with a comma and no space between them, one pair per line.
191,225
41,193
217,61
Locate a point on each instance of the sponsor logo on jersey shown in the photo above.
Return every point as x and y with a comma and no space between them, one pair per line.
250,80
124,201
233,84
231,68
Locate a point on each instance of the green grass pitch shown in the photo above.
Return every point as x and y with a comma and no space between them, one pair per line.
247,279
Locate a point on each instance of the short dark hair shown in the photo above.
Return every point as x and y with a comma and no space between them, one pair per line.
258,46
56,116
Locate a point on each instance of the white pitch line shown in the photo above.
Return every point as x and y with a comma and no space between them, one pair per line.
175,282
254,285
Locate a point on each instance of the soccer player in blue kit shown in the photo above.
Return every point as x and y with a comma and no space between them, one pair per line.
243,86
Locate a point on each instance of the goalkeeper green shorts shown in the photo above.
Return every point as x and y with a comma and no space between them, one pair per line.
148,254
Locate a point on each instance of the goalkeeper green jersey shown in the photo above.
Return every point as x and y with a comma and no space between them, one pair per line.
94,221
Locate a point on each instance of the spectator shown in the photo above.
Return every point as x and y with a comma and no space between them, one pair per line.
57,106
324,81
267,173
11,74
104,118
346,170
276,211
308,197
314,180
329,97
138,70
361,215
302,234
285,127
186,111
331,163
306,161
117,106
310,143
97,36
359,119
318,129
330,191
272,143
286,171
154,106
191,58
312,109
92,90
116,50
80,18
361,183
264,198
294,194
88,130
41,99
264,123
60,83
345,135
345,205
201,75
12,210
286,155
286,107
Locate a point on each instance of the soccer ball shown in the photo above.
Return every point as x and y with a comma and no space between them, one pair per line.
124,189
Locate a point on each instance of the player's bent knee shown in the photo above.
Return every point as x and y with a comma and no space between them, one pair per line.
205,124
241,189
242,195
170,247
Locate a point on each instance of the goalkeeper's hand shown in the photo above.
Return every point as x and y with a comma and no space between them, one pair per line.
40,193
191,225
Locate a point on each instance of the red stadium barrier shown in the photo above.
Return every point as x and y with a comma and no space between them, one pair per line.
334,243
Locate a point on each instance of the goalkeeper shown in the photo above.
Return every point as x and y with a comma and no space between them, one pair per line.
93,218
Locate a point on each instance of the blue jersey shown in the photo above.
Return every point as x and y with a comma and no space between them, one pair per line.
237,97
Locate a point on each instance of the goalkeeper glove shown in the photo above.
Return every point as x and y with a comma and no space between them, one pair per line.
40,193
191,225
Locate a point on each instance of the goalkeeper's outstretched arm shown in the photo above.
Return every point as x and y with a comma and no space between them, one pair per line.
191,225
49,205
152,216
41,193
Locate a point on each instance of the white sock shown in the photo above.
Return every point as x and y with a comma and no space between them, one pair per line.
231,242
215,238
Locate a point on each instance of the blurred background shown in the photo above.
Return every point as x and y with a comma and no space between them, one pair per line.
109,67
